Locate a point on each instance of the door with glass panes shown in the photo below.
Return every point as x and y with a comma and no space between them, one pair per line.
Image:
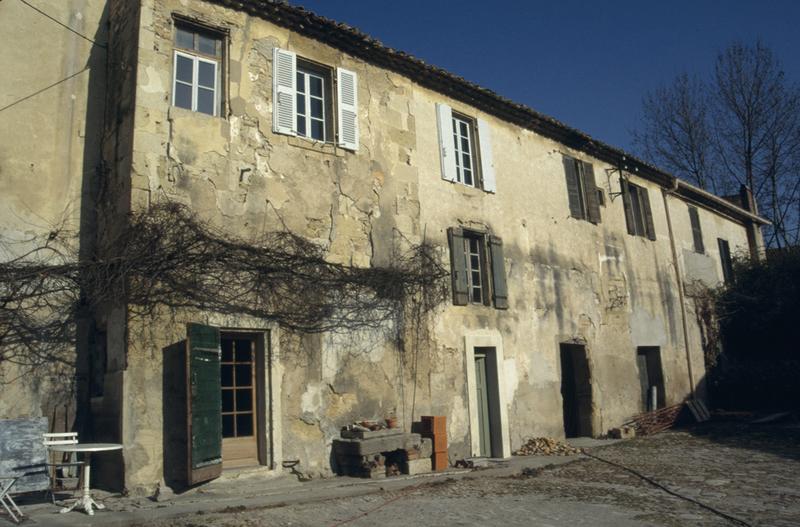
238,383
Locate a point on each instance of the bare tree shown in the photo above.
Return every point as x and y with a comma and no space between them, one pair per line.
741,127
676,132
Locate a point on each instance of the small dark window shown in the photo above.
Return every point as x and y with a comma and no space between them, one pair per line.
725,260
601,197
697,233
638,215
582,192
478,269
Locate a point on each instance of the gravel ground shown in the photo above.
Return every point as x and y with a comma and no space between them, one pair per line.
745,472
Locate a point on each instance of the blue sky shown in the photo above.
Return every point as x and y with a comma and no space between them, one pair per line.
586,63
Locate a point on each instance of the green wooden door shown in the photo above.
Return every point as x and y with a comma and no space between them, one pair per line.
204,403
483,406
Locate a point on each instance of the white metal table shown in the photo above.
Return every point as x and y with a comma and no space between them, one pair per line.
86,502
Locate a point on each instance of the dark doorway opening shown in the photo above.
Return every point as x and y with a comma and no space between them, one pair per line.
651,378
488,398
576,390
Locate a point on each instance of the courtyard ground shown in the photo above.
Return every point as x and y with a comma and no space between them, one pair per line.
709,475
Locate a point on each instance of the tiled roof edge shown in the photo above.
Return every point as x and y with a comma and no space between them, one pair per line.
354,42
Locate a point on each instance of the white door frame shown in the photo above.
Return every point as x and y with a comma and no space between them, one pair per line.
486,339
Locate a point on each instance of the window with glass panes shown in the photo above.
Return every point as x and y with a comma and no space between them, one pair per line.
473,252
464,139
312,90
237,381
196,80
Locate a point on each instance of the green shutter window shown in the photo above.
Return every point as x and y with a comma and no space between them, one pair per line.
458,266
627,205
204,401
590,188
725,260
573,188
650,229
697,233
500,289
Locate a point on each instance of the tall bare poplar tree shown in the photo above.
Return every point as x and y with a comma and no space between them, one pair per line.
740,127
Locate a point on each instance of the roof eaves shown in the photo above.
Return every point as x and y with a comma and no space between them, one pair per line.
354,42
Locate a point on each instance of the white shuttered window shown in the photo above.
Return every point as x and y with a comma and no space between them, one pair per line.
347,83
284,92
465,149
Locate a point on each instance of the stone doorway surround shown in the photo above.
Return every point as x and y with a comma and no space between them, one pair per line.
486,338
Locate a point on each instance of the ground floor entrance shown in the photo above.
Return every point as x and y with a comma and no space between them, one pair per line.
576,390
240,386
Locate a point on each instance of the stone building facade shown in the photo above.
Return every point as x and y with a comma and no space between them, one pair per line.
573,263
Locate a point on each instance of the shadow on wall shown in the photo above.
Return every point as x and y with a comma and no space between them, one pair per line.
173,406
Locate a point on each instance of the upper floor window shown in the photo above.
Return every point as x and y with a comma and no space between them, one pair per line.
582,190
466,149
697,232
725,260
638,215
463,141
478,268
197,66
314,117
307,103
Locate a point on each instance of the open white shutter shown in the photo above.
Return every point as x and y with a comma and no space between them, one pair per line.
444,117
487,162
347,94
284,92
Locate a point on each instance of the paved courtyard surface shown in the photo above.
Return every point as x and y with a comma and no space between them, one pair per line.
750,475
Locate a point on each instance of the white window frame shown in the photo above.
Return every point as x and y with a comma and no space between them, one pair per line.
457,120
195,84
306,115
481,257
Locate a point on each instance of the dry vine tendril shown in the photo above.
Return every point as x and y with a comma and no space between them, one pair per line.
168,258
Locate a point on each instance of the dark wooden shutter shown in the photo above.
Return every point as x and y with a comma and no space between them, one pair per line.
204,400
648,214
627,205
725,260
590,187
499,287
573,188
697,233
458,266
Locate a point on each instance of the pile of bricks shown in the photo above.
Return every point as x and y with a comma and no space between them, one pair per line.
546,446
381,453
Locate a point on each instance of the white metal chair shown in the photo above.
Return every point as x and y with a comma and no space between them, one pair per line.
65,467
6,500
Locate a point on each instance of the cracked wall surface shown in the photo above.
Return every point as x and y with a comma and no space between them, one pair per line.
568,280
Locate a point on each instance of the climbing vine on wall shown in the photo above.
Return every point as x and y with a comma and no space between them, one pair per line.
167,257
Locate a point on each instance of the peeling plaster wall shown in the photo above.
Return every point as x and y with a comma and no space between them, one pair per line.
568,280
49,151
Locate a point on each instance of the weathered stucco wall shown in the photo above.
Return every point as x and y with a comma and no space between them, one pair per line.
49,152
569,280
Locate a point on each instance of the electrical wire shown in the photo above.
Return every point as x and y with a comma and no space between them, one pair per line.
671,492
65,79
104,46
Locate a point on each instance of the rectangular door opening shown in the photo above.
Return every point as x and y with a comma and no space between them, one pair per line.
651,377
576,390
488,401
242,395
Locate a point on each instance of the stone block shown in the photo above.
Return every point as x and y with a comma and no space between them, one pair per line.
426,447
623,432
418,466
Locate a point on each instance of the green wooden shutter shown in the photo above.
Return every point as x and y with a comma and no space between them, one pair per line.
573,188
458,265
627,205
697,233
590,186
648,214
204,403
725,260
499,286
